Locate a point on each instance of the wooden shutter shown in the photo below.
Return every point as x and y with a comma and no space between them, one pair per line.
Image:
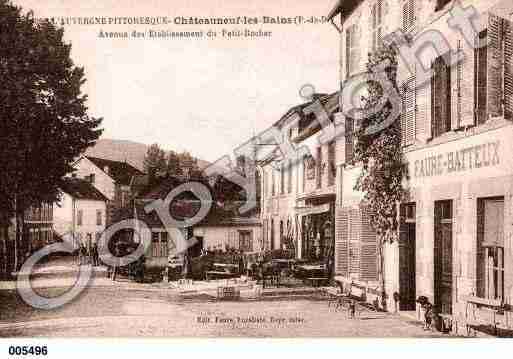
508,70
480,77
354,241
409,112
368,248
495,73
408,15
480,251
349,139
441,96
342,242
348,50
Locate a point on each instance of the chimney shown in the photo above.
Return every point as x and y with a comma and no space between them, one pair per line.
106,169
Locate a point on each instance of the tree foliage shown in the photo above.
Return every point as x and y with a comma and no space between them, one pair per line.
44,123
380,154
154,163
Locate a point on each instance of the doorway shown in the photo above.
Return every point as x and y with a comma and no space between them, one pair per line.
443,257
407,258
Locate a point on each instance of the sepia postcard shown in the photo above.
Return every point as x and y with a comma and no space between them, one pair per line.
255,169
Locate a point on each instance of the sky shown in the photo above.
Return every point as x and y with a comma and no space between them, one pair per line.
203,95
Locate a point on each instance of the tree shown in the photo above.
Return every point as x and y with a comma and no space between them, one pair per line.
380,155
155,162
44,123
174,167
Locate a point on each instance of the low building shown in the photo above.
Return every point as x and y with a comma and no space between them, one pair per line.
111,178
80,215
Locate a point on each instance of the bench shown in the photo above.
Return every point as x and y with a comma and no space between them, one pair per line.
475,307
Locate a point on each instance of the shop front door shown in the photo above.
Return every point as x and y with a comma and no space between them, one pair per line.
407,274
443,257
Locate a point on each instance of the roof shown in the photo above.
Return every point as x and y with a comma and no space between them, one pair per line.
81,189
121,172
343,7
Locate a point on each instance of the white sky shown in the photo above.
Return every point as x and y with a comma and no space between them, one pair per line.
206,96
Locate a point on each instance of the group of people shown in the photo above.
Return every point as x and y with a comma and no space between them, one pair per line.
88,254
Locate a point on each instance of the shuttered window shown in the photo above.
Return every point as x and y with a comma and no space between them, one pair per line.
480,77
441,96
289,176
352,49
319,167
349,140
342,242
378,12
332,169
500,67
409,15
409,112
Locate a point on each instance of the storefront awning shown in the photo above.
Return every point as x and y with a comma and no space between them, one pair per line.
304,211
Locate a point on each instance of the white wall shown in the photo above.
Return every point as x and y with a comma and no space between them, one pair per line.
102,181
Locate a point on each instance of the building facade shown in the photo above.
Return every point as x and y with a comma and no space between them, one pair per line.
81,214
298,194
111,178
455,231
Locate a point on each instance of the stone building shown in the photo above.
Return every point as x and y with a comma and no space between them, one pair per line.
298,194
455,233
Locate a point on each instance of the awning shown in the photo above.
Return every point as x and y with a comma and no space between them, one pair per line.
303,211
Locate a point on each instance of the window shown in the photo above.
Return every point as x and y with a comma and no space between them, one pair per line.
289,177
273,182
99,220
80,217
441,96
272,234
164,248
408,113
319,167
155,244
245,242
352,49
349,140
332,169
281,233
480,77
378,11
490,248
409,15
282,177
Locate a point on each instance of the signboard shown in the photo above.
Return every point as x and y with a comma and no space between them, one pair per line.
462,160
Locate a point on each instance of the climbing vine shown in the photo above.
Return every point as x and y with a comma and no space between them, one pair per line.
381,158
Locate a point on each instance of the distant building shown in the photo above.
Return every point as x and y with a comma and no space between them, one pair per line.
81,214
111,178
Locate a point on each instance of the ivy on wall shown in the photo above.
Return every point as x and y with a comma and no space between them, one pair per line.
380,156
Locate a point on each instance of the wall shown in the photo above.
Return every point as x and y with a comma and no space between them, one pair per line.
219,237
102,182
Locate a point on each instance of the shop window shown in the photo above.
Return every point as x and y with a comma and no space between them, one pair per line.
164,244
490,248
245,241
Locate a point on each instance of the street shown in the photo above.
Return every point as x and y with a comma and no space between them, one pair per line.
128,309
